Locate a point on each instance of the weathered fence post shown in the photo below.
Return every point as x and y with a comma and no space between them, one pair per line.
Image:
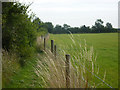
52,45
67,71
44,43
55,50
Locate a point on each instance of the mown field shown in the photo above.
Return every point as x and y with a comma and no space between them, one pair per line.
105,47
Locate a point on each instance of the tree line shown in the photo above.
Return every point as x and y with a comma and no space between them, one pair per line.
97,28
19,30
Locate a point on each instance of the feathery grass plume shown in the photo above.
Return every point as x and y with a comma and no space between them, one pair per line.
82,66
104,76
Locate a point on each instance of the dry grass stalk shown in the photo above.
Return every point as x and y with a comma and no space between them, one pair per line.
53,72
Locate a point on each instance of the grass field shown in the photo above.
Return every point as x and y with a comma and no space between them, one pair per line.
105,48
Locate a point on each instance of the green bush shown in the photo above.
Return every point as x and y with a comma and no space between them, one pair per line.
19,32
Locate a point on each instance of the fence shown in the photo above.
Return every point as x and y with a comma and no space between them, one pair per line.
67,62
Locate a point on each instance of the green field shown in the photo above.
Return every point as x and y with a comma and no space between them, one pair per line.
105,48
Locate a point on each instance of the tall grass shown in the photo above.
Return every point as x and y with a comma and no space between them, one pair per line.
82,66
10,65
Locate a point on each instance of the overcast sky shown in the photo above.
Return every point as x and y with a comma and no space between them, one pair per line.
75,12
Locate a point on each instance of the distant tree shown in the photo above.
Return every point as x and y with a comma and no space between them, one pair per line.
109,28
41,26
85,29
99,21
65,26
109,25
93,29
98,28
58,29
49,27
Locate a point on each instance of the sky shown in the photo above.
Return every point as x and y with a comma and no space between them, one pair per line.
75,12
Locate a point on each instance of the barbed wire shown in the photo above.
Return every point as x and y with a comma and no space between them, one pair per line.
96,76
92,73
87,68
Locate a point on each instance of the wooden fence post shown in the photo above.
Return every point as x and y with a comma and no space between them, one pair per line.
55,50
52,45
67,71
44,43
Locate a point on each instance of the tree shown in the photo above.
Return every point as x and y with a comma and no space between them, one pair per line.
49,27
84,29
65,26
41,26
99,26
109,28
18,32
37,21
58,29
109,25
99,21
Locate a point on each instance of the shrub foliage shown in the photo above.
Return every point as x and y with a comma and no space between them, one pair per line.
19,33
